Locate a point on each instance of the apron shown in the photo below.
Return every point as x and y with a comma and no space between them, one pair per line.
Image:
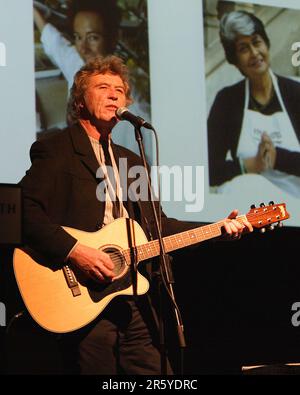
279,128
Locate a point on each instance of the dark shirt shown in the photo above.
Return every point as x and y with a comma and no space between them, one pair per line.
270,108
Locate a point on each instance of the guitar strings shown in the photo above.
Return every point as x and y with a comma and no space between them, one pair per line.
115,256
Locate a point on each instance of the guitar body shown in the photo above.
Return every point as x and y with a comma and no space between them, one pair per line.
46,293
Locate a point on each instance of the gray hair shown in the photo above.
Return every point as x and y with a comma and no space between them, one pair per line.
237,23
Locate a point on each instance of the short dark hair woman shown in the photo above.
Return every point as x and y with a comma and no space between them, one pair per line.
254,125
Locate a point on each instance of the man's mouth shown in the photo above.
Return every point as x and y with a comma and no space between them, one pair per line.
112,108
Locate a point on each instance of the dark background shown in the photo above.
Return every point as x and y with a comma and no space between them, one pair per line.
235,300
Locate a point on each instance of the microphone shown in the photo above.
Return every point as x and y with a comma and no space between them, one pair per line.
123,114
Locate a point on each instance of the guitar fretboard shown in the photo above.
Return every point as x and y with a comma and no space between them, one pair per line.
177,241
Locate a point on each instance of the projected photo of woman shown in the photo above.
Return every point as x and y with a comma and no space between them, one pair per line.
253,125
71,33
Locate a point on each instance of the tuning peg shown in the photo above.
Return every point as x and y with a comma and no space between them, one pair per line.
262,205
271,203
262,230
279,224
252,206
271,227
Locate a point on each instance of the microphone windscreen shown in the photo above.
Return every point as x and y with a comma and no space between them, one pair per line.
120,111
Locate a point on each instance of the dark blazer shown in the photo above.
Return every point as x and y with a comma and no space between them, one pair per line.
224,128
60,189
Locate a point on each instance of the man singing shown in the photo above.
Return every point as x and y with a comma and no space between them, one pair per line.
60,190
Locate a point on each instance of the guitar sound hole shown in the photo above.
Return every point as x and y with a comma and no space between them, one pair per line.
118,260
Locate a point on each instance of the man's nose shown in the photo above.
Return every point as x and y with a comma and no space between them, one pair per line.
112,94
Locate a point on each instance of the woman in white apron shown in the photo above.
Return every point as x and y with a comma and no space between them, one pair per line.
254,126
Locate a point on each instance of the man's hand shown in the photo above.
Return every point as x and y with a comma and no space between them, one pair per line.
233,228
94,263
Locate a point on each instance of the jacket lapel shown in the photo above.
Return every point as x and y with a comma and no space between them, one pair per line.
83,148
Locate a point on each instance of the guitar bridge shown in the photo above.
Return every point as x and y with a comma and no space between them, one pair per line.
71,280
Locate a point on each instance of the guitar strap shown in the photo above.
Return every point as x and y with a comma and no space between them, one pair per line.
116,205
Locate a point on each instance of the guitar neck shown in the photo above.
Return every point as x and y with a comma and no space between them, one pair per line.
180,240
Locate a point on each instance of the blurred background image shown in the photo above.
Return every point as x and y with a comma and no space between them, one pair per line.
218,72
68,33
252,91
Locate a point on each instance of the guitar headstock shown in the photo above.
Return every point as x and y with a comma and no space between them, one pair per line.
263,217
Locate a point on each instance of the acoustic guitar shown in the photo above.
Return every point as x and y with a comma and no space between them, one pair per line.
60,299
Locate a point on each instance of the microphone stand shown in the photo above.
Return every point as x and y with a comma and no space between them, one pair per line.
165,275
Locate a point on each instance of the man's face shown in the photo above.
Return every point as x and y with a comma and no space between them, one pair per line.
103,95
89,35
